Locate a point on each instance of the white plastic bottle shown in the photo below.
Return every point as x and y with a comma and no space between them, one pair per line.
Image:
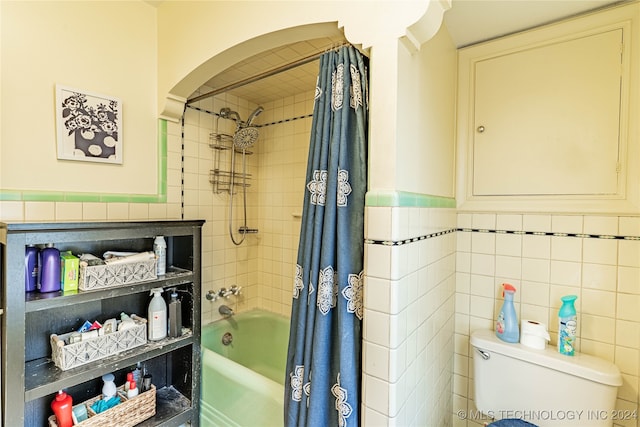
160,249
133,390
157,316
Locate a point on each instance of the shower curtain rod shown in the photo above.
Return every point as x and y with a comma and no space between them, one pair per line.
265,74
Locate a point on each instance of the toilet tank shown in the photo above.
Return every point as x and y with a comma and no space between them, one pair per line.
543,387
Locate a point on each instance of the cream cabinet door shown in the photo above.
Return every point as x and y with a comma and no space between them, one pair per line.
547,119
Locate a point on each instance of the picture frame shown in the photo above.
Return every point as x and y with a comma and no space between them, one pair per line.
89,126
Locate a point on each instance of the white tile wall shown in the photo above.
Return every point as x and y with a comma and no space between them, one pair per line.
264,265
409,318
604,273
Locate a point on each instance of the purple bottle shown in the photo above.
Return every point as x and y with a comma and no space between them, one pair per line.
30,268
49,269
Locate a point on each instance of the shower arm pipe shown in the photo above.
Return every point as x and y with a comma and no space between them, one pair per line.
263,75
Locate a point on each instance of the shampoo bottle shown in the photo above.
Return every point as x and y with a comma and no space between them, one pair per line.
157,316
49,269
30,268
507,325
567,326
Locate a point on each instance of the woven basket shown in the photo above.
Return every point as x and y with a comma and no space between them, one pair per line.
126,414
98,277
72,355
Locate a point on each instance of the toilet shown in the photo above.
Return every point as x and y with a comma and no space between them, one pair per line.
542,387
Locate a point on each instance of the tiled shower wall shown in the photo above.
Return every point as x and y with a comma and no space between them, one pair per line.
264,265
596,258
409,316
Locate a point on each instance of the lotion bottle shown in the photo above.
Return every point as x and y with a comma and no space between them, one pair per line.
133,390
157,316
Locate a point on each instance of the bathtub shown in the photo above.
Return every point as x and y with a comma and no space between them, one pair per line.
243,382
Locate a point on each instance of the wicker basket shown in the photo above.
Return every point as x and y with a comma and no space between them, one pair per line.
126,414
72,355
98,277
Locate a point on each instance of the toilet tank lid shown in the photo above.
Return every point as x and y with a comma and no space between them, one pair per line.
582,365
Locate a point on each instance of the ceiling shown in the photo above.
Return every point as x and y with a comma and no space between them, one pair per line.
474,21
468,22
281,85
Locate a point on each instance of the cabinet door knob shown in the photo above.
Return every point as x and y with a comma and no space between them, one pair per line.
480,129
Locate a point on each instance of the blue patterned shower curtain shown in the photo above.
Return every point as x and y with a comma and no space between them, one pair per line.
322,387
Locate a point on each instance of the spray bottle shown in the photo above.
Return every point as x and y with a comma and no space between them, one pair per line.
507,325
567,326
157,316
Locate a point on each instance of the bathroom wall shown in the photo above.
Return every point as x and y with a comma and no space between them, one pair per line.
49,43
409,316
264,265
410,254
542,256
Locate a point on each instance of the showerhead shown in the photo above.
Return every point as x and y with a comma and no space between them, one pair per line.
255,114
245,137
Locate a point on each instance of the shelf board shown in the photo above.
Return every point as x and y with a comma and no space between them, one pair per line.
172,408
36,301
43,377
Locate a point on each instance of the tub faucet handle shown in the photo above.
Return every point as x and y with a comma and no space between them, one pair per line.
211,295
224,292
235,290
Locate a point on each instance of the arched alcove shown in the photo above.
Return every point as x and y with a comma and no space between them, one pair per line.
228,56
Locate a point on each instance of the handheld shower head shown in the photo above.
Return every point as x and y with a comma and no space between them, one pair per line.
255,114
245,137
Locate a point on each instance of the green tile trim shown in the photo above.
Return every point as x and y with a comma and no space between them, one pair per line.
389,198
57,196
10,195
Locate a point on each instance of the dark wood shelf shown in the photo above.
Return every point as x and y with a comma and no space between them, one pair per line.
43,377
36,301
30,378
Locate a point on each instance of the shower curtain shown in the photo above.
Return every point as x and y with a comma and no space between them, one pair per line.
322,387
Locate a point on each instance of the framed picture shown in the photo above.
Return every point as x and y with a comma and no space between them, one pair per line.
89,126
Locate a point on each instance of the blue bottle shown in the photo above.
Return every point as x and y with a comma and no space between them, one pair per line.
30,268
567,326
507,328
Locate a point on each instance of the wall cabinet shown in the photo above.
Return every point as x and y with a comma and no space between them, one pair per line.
547,119
30,379
544,115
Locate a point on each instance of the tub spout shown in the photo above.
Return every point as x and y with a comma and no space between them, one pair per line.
225,310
